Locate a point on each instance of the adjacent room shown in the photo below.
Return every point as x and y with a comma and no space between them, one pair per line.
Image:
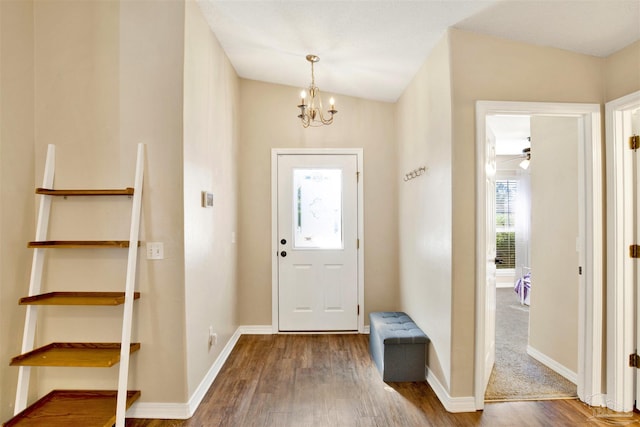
517,373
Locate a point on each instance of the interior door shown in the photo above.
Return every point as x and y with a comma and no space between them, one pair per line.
557,228
490,289
317,242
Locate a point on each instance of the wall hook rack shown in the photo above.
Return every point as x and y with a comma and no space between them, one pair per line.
415,173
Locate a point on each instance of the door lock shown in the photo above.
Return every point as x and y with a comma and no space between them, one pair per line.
283,241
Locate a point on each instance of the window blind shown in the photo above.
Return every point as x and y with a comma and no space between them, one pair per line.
506,193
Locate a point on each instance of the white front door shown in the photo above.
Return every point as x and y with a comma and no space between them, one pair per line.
317,232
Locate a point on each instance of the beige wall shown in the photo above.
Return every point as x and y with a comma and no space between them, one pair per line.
490,68
151,44
553,316
622,72
16,183
424,139
269,121
210,158
76,108
107,76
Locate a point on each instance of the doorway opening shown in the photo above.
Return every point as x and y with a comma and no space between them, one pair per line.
588,246
526,365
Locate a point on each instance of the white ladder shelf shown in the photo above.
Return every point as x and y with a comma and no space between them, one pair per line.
93,407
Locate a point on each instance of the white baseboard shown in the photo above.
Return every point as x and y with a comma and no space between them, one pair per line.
256,330
552,364
366,329
451,404
183,411
164,411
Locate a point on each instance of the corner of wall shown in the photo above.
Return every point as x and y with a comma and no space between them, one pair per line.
621,76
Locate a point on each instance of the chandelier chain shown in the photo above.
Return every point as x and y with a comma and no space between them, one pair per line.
313,79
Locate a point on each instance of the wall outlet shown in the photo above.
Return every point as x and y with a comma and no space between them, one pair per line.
213,337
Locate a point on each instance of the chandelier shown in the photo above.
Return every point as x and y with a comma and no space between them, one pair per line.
311,112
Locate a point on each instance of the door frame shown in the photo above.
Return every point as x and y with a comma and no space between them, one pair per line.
275,152
621,339
590,310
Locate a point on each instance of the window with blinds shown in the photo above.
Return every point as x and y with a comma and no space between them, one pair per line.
506,193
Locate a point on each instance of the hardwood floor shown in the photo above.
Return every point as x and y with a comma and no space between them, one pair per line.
330,380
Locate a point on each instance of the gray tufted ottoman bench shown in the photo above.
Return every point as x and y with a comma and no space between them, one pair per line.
397,346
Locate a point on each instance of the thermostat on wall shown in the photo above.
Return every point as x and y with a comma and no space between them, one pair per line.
207,199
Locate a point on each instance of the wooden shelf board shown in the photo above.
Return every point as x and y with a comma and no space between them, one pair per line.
63,408
80,244
89,355
111,192
77,298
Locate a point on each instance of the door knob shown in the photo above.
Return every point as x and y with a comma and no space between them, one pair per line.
283,254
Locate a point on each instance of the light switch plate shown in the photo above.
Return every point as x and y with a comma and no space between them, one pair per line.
155,250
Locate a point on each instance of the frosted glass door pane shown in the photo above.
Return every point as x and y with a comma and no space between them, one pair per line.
317,208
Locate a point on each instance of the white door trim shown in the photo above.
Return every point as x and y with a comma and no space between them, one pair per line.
275,152
620,292
590,343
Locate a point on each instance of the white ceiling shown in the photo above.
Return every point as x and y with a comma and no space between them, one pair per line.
372,49
512,133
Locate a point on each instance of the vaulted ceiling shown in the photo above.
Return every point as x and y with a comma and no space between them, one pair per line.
372,49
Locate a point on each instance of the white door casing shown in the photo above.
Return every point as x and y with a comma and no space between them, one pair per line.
317,285
636,241
490,260
590,344
622,275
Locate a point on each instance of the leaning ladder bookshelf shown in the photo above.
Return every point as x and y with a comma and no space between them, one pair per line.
87,408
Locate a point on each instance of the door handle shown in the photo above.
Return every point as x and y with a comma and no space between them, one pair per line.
283,254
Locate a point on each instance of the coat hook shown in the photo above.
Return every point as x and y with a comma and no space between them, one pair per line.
414,173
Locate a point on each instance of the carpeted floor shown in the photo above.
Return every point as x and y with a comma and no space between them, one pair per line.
516,375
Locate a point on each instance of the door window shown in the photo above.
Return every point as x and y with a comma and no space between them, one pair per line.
317,204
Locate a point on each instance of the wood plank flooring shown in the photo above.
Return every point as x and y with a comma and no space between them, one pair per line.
330,380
